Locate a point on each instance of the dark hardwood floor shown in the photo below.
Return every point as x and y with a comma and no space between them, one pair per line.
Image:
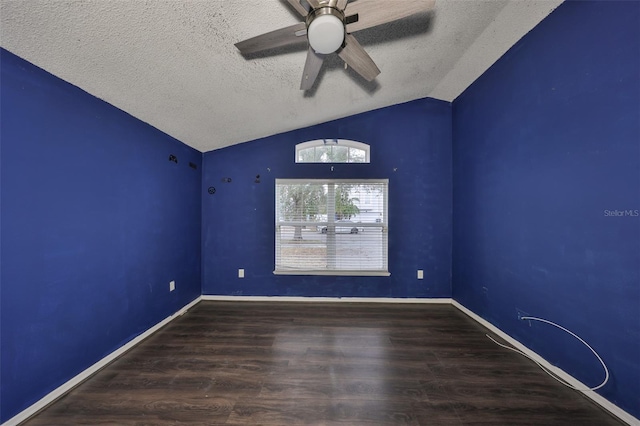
246,363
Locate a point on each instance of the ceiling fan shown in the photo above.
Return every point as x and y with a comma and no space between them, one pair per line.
328,26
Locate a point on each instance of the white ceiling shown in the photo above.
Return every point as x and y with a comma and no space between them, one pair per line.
173,63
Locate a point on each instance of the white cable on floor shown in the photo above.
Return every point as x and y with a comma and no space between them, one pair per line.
551,373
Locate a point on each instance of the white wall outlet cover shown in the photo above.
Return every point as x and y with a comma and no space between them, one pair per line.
172,285
420,274
240,273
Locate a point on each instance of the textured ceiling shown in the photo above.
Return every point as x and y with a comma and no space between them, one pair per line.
173,63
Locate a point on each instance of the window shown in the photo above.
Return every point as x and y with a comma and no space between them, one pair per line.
332,151
331,227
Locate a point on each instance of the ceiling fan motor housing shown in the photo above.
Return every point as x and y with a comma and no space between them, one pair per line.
325,29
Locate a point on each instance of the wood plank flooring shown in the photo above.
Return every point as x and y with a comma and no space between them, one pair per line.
249,363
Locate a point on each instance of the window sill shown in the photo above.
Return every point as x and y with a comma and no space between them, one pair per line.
334,273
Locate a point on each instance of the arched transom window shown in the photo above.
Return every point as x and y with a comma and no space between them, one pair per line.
332,151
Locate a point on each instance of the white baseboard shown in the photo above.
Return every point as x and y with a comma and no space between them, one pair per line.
81,377
444,300
594,396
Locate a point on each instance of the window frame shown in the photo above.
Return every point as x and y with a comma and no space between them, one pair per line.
383,225
333,142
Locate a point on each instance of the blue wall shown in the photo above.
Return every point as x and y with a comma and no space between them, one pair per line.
545,142
414,139
95,223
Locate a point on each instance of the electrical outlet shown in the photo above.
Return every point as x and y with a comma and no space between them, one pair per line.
172,285
420,274
240,273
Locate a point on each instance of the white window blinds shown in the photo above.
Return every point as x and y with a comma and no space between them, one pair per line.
331,227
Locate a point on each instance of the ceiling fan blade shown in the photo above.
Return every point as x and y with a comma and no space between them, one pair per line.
356,57
311,69
342,4
376,12
298,7
314,3
278,38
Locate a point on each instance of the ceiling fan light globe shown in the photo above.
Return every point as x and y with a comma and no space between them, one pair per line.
326,34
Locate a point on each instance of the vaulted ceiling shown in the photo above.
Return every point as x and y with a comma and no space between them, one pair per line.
173,63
